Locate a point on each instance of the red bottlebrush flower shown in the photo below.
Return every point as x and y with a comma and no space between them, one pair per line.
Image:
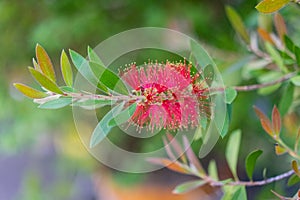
173,98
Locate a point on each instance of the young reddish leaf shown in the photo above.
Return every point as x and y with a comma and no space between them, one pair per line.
188,186
66,69
269,6
280,25
29,92
36,65
45,81
276,121
265,36
279,150
264,120
174,166
193,160
237,24
177,147
45,62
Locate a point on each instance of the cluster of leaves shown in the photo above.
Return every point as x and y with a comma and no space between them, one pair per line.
53,96
189,164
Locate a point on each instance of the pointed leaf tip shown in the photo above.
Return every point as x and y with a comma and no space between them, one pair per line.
29,92
66,69
44,62
264,120
276,121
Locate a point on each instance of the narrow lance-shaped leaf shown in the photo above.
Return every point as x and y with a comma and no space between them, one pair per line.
276,121
56,103
276,57
297,141
265,35
188,186
232,151
192,158
29,92
82,65
295,167
172,165
286,99
251,161
176,146
45,63
289,44
294,179
36,65
265,122
213,170
108,78
280,25
103,128
45,81
297,54
269,6
237,23
66,69
93,57
123,116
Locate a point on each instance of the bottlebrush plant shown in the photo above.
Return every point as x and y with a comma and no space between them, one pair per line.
175,96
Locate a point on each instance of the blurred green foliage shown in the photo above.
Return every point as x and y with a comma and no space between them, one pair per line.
75,24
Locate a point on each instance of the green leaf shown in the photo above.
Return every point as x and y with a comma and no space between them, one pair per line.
294,179
45,81
123,116
296,80
201,56
109,78
237,23
234,193
188,186
45,63
251,161
289,44
93,104
56,103
275,55
268,90
227,120
82,65
297,54
230,95
240,194
103,127
66,69
286,99
232,151
29,92
213,170
93,57
269,6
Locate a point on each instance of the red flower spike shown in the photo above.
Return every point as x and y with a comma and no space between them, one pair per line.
173,98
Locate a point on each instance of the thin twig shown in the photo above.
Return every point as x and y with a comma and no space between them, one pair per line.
255,183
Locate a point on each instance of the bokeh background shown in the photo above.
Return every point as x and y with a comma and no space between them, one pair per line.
41,156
